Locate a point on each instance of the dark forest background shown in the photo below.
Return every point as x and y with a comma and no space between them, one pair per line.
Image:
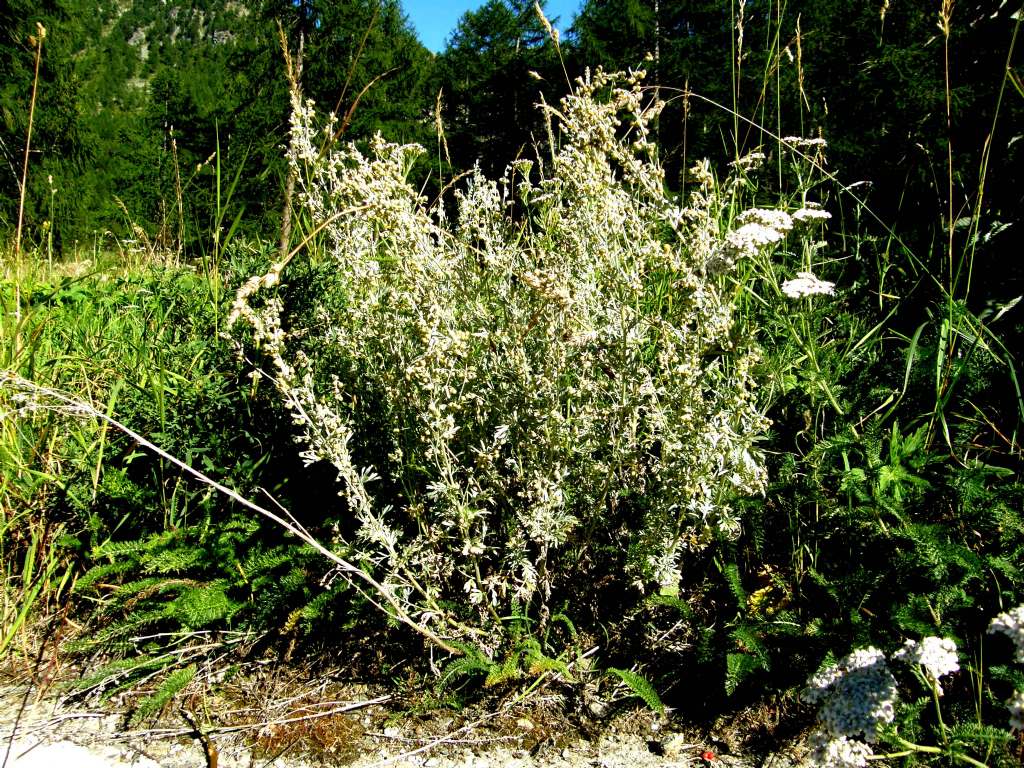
136,96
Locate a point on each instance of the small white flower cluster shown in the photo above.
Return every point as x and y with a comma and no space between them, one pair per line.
858,698
769,218
936,655
810,214
1011,624
749,161
858,695
748,239
807,284
1016,707
758,228
798,142
828,751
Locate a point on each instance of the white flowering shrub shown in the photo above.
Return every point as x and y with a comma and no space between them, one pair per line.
543,391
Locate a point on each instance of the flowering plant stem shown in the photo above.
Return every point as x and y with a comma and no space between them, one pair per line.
911,748
934,685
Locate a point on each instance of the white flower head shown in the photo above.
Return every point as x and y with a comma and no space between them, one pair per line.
858,695
808,215
1011,624
771,218
837,752
798,142
937,655
749,161
807,284
1016,707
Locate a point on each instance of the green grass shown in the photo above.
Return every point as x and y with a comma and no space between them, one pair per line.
125,337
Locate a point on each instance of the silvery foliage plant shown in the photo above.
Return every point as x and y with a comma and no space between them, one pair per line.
542,377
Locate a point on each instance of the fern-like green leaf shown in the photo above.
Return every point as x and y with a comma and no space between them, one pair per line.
671,601
738,667
732,578
202,606
472,663
510,669
640,687
100,573
151,705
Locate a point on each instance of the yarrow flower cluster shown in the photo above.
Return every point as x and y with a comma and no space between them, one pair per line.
858,695
757,228
936,655
807,284
829,751
807,215
798,142
1011,624
1016,707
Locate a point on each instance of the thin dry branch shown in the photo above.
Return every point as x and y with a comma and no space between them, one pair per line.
37,397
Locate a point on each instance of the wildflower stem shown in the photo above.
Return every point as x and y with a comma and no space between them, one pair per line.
911,748
938,710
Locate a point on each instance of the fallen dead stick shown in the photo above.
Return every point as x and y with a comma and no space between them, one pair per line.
444,740
214,730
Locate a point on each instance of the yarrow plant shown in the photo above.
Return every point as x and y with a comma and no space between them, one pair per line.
1011,624
545,385
806,284
858,695
858,698
936,656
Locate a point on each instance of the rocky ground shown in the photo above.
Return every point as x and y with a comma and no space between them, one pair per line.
329,725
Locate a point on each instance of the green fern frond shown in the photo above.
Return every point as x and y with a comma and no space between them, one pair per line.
100,573
151,705
538,663
202,606
640,687
173,561
473,662
671,601
749,641
133,624
561,618
464,666
128,549
984,737
141,589
738,667
510,669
